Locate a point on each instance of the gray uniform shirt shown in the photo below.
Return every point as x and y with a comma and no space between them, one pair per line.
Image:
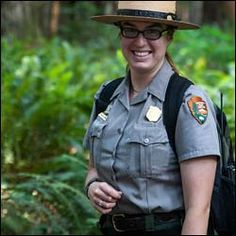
133,154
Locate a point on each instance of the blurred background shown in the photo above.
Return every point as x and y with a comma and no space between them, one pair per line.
53,60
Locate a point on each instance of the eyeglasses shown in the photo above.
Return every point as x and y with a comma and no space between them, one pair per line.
150,34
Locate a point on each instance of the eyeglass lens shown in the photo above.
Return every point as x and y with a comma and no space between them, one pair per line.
151,34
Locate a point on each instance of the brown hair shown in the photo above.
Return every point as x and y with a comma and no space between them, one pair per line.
170,60
171,32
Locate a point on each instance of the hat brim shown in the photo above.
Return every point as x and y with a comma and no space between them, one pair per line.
112,19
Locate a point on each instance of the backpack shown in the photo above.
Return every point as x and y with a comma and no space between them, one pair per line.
222,213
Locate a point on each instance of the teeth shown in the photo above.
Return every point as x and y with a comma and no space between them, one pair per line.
141,54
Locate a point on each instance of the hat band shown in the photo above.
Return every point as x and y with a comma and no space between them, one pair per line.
144,13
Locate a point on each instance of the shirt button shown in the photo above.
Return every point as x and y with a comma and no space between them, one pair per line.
146,140
119,130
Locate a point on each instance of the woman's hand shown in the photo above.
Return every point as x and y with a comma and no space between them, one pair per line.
103,196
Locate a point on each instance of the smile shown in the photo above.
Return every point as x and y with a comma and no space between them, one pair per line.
141,53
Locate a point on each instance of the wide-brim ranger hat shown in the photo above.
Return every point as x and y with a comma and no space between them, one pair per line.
163,12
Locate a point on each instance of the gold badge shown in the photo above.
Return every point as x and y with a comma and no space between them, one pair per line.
198,109
153,113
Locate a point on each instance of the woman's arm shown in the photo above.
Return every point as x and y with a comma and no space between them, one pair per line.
92,173
102,195
198,176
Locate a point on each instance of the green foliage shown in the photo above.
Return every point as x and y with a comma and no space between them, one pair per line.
48,91
51,202
79,28
47,95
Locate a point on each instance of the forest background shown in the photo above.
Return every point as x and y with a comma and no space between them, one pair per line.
53,60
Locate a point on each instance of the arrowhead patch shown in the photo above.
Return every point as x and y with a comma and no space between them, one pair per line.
198,109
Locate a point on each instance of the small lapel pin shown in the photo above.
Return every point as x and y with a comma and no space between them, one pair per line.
103,116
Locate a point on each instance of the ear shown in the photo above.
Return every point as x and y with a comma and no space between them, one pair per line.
170,36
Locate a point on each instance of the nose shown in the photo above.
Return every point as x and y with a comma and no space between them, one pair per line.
140,40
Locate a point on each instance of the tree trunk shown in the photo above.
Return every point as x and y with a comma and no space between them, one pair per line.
195,12
25,19
55,13
219,12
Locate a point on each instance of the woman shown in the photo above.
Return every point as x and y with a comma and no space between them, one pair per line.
135,179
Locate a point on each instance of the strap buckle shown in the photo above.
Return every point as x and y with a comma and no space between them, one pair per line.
113,219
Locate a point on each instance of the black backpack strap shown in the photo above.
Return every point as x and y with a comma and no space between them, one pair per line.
173,99
104,98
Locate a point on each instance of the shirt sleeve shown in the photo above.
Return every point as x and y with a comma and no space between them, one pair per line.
196,129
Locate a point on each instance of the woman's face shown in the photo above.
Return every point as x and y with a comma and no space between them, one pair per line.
144,55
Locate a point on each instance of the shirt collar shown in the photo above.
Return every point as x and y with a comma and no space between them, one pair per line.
122,88
159,84
157,87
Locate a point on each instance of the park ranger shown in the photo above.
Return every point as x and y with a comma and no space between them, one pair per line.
135,179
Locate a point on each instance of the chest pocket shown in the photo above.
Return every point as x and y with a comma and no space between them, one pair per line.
150,151
96,138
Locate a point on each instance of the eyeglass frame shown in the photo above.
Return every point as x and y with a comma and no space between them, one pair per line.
141,32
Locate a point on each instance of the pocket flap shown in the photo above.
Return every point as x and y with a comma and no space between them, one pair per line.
97,127
147,136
